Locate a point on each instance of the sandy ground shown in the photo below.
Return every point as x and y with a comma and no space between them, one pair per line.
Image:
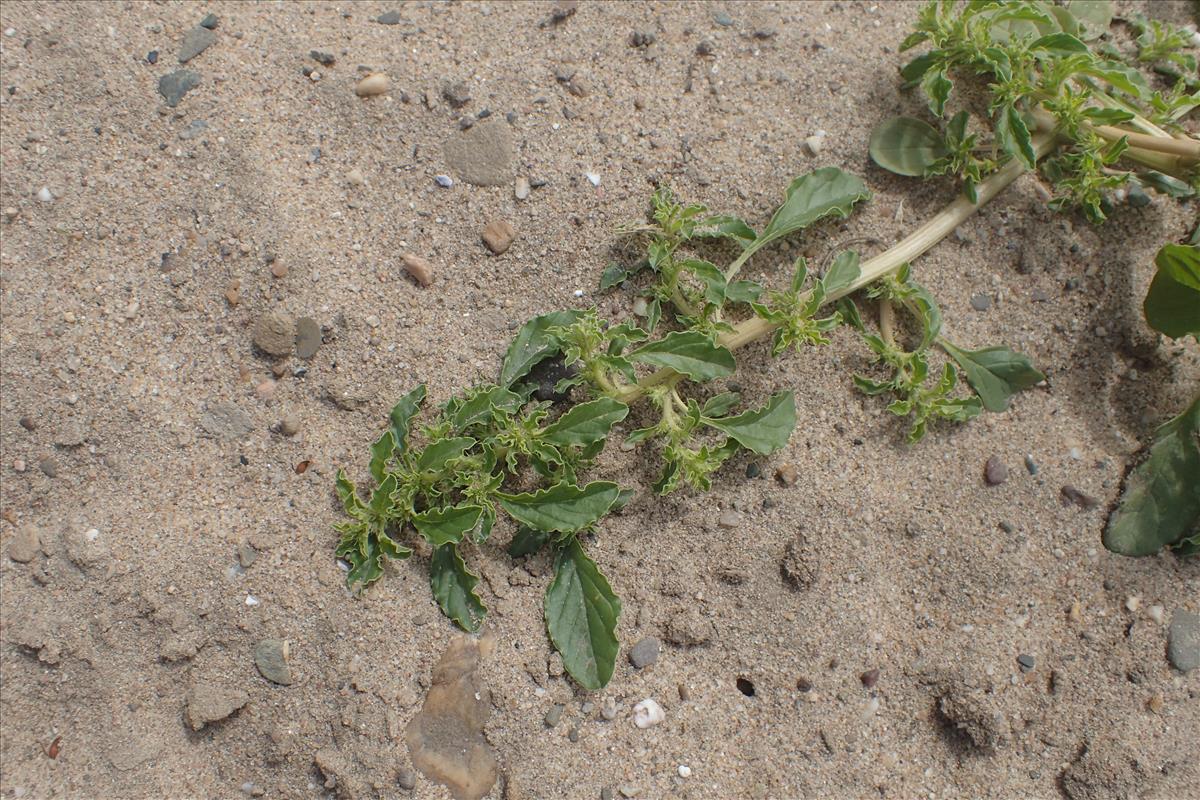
128,304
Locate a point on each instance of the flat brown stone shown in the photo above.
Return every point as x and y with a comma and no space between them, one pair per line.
498,235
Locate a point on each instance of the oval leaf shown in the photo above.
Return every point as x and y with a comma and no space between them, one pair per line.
995,373
586,422
762,430
435,456
563,508
532,344
906,146
690,352
581,617
454,588
1159,504
1172,305
813,196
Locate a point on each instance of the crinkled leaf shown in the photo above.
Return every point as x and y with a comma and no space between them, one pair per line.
1013,135
562,508
454,588
937,86
346,492
441,526
480,406
586,422
690,352
381,451
913,71
712,278
615,274
906,146
995,373
727,227
402,416
823,192
581,617
532,344
848,311
1160,502
438,453
720,404
381,503
841,274
527,541
761,430
1172,305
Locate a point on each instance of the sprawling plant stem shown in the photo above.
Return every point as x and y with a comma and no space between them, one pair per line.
915,244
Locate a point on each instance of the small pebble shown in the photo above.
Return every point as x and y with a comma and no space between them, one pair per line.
275,333
593,178
389,18
1026,662
729,519
1183,640
722,18
28,423
870,678
289,426
609,709
444,181
981,302
648,713
1031,465
44,195
554,716
644,653
995,472
521,188
271,656
308,337
1133,603
498,235
374,84
407,779
815,144
1156,613
786,474
152,57
606,793
209,21
49,467
685,771
418,268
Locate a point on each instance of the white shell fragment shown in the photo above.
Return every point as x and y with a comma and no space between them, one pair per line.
648,713
593,178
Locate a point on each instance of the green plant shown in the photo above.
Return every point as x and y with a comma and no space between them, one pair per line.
1113,129
1160,500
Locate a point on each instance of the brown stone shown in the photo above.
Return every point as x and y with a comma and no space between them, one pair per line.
498,235
418,267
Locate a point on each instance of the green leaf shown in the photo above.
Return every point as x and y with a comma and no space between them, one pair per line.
1165,184
727,227
743,291
402,416
1093,16
1125,78
581,617
913,39
615,274
906,146
441,526
937,88
437,454
1107,116
824,192
527,541
1160,504
532,344
346,492
381,504
454,588
562,508
842,273
381,451
995,373
720,404
586,422
690,352
1172,305
1013,135
710,275
762,430
1059,44
480,406
913,71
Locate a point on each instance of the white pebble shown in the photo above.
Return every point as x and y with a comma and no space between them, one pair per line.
648,713
45,195
685,771
11,32
91,534
593,178
1133,603
373,84
1156,613
521,188
251,600
815,143
444,181
578,292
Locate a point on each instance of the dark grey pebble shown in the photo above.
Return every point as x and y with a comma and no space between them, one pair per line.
466,122
173,86
49,466
28,423
271,658
308,337
995,472
554,715
753,470
722,18
1183,640
456,94
1039,295
642,39
209,22
645,652
407,779
152,57
606,793
195,42
870,678
1031,465
1136,197
573,735
1073,495
705,48
981,302
1026,662
324,59
389,18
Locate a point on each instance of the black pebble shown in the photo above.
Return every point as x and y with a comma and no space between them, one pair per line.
152,57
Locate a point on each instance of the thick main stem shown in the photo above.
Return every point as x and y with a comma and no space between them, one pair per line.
871,270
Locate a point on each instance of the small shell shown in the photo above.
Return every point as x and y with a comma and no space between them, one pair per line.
419,268
648,713
373,84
